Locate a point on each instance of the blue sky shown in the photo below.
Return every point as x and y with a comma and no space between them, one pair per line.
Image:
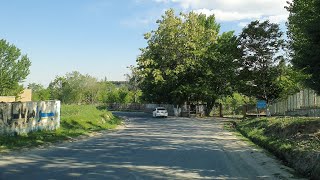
102,37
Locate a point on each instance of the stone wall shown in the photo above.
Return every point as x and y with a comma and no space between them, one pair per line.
24,117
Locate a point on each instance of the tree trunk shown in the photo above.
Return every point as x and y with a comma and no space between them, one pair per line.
209,108
220,110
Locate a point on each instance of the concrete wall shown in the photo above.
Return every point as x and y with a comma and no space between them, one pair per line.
313,112
24,117
304,103
173,110
148,108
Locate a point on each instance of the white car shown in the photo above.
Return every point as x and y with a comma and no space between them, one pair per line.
160,112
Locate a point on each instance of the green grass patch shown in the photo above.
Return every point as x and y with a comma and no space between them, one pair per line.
76,120
296,140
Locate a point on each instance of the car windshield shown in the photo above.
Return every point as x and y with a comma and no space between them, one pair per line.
161,109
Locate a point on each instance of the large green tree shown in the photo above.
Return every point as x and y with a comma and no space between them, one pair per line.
262,45
14,68
221,64
304,35
187,60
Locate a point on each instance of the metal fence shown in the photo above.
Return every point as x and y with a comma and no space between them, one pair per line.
304,103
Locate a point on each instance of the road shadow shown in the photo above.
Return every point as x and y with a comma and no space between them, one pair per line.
148,148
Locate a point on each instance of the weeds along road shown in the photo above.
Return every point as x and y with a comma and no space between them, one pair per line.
148,148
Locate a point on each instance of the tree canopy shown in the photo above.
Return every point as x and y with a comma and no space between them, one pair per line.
14,68
77,88
262,45
304,35
187,60
39,93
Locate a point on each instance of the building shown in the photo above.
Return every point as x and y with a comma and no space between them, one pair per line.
25,96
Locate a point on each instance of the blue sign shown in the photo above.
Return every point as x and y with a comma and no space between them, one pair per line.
46,114
261,104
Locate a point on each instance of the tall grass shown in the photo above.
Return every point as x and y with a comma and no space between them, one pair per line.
295,140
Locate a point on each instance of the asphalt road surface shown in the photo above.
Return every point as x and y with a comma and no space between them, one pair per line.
148,148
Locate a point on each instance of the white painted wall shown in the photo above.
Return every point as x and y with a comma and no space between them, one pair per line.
24,117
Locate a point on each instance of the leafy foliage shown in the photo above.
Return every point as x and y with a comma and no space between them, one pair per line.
304,35
234,104
39,93
187,60
290,80
76,88
134,81
14,68
262,45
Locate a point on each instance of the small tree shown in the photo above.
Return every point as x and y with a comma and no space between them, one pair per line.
56,88
14,68
134,80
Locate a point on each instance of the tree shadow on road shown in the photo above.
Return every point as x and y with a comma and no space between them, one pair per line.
146,149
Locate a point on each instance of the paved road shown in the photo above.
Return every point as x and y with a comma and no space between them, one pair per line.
148,148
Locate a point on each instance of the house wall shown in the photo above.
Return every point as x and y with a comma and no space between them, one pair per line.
7,98
25,95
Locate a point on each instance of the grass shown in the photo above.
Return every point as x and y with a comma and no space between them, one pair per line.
286,134
76,120
296,140
231,126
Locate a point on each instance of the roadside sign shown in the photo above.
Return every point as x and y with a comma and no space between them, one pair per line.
261,104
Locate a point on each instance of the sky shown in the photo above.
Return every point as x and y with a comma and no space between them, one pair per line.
102,37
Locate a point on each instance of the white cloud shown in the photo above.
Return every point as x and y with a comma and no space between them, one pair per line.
231,10
228,16
278,18
143,19
163,1
243,24
137,22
